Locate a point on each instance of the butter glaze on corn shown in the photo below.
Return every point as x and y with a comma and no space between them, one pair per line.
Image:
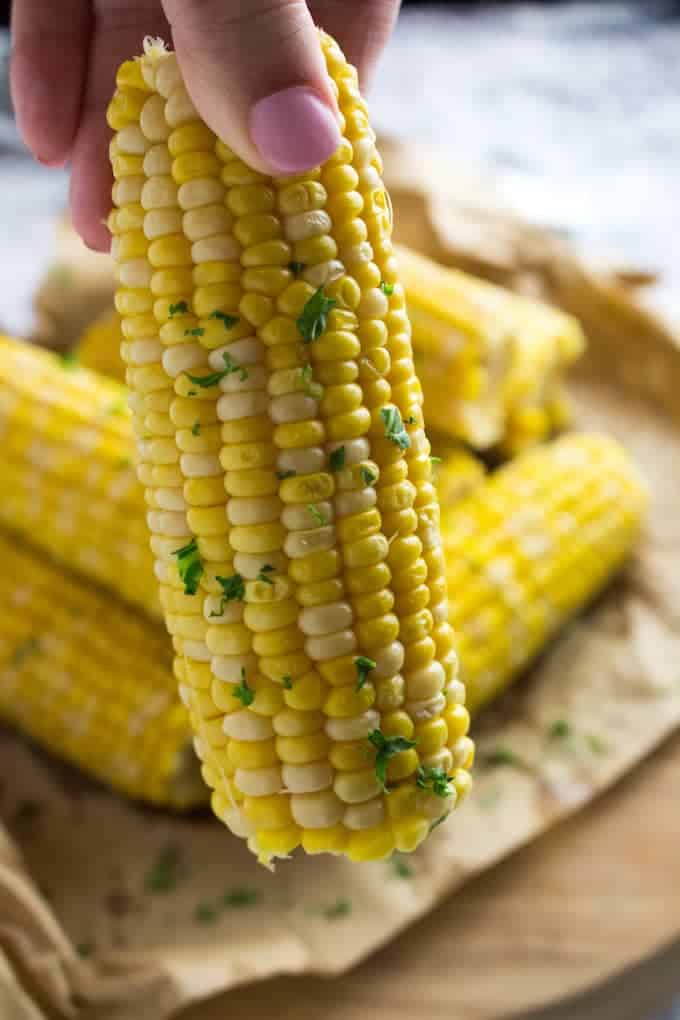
217,261
92,682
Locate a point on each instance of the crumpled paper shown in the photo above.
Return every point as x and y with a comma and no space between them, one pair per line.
111,911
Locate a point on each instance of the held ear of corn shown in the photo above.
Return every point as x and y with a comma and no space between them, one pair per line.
530,547
280,428
68,479
90,681
491,362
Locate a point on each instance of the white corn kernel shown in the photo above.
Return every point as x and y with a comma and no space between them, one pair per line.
316,810
364,816
308,778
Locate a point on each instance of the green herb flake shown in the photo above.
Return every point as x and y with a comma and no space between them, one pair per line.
165,872
387,748
437,822
244,693
296,268
69,360
363,668
206,913
287,682
196,428
596,744
317,514
180,308
265,570
85,949
241,896
499,757
387,288
191,393
233,590
314,319
368,477
435,460
337,458
401,867
394,427
560,730
195,331
335,911
213,378
281,475
190,566
311,388
24,650
434,779
410,420
229,320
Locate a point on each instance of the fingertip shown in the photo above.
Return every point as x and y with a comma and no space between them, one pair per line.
294,130
91,181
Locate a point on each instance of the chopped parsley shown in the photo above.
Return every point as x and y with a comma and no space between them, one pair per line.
498,757
191,393
311,388
287,682
31,646
196,428
341,908
69,360
281,475
435,779
401,866
363,667
560,730
205,913
195,331
229,320
240,896
596,744
180,308
296,268
387,288
190,566
314,319
394,427
318,516
233,590
337,458
368,477
265,570
213,378
166,871
387,748
244,693
435,460
410,420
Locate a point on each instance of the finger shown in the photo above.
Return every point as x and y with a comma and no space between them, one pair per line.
118,33
48,68
256,74
361,28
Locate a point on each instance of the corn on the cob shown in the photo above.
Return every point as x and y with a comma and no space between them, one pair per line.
530,547
99,346
82,675
269,356
490,362
69,483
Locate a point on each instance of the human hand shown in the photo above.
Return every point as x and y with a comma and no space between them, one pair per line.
253,68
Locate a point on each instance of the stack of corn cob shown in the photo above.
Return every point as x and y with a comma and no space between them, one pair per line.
294,521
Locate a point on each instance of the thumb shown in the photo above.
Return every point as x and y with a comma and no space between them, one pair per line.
256,74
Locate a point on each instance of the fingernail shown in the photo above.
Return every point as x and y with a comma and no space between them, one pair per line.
294,130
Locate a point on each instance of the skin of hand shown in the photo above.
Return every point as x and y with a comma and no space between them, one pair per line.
253,69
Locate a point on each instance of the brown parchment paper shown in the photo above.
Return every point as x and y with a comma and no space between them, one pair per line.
75,861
